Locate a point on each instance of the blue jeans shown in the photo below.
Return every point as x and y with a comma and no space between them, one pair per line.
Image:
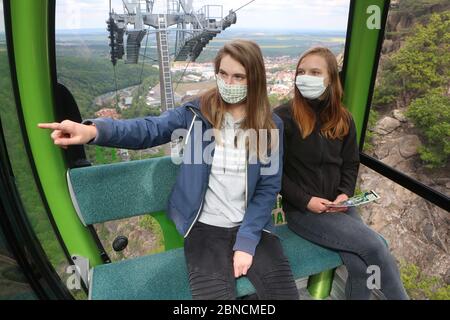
357,244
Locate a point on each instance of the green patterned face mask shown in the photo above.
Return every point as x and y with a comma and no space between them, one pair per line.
231,93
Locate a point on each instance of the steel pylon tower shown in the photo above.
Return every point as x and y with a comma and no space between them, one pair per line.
194,30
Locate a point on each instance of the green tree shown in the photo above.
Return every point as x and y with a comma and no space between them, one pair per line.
431,114
420,286
370,134
420,7
416,76
93,76
423,63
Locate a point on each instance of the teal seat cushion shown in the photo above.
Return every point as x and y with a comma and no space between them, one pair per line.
121,190
164,275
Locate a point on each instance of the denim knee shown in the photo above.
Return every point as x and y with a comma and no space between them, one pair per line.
375,250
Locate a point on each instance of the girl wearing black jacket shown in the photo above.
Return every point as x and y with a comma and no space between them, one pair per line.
321,163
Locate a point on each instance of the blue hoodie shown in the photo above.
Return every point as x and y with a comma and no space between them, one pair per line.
186,198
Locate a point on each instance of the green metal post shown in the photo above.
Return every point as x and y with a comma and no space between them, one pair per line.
31,55
319,285
362,55
172,239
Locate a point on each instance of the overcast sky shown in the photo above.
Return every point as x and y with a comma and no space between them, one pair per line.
261,14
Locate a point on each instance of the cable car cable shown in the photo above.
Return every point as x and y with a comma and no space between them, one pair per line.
143,60
111,29
148,57
243,6
182,75
116,87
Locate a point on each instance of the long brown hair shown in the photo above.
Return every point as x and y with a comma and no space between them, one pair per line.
258,112
335,118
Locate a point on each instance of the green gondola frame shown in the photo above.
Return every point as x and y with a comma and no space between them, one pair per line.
32,59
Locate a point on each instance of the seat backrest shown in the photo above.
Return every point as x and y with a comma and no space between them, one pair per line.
121,190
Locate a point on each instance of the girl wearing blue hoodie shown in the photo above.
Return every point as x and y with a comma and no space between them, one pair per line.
226,186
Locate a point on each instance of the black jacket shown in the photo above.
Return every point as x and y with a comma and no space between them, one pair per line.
316,166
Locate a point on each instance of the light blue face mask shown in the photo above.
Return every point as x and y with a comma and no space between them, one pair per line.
310,87
231,93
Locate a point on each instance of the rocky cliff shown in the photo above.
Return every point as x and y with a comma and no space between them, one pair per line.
418,232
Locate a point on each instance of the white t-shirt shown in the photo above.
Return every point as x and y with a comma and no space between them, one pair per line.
224,203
